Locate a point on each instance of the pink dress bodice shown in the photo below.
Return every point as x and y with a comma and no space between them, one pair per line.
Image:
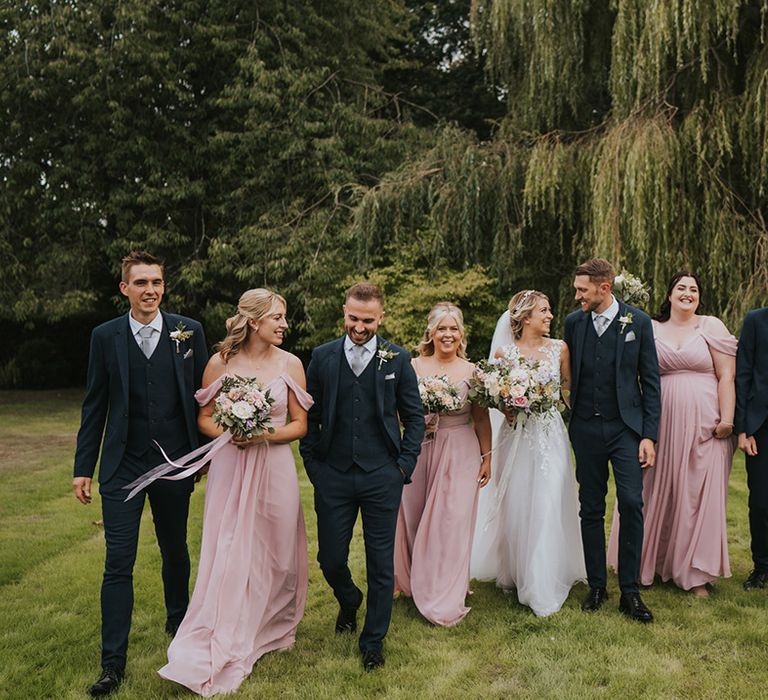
278,390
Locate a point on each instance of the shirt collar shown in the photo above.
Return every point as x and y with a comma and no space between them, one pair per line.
370,346
610,313
156,323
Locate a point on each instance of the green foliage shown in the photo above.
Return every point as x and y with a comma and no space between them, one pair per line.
645,142
410,295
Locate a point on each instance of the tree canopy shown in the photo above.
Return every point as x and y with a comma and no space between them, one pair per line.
461,149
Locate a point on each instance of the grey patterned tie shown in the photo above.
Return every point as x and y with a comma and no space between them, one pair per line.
357,359
601,323
145,333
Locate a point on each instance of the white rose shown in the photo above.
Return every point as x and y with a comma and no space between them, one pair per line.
492,385
516,391
242,410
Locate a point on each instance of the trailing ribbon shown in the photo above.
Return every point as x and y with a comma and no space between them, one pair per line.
201,456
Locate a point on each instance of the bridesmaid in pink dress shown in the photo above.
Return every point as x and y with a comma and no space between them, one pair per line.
252,579
685,494
437,514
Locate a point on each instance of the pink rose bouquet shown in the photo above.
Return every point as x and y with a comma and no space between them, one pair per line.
243,407
518,387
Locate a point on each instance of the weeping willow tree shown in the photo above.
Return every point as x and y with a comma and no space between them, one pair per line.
635,130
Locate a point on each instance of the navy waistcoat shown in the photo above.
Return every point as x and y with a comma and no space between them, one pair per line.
597,378
358,437
154,406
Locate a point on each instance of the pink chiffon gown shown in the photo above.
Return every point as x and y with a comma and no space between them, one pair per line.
252,578
684,495
436,521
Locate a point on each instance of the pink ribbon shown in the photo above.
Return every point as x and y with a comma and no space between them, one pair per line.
201,456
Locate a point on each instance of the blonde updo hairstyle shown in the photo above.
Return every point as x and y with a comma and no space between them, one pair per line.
254,304
438,312
521,306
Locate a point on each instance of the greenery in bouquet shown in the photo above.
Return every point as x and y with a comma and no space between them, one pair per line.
243,407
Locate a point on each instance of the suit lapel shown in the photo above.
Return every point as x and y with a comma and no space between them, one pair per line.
122,337
378,381
619,341
580,337
335,358
177,358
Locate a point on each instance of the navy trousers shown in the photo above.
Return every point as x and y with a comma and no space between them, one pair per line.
597,441
338,498
757,481
169,501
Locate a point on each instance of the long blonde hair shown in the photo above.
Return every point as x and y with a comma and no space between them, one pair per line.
254,304
438,312
521,305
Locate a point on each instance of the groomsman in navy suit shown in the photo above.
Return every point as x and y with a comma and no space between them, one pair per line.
358,460
143,371
616,406
751,425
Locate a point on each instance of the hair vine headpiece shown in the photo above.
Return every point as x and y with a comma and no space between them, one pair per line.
523,299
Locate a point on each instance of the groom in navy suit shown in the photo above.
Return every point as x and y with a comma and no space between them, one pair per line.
143,371
357,459
751,425
616,405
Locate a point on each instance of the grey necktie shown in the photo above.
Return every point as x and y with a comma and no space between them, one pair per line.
145,333
357,359
601,323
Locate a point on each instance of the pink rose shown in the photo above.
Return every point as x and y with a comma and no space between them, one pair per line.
520,402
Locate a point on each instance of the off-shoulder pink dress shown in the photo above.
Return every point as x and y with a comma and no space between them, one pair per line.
252,578
684,495
437,519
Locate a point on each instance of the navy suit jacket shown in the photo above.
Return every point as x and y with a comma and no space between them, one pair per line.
106,395
752,373
638,386
394,397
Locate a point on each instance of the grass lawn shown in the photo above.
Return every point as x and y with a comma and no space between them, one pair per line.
51,559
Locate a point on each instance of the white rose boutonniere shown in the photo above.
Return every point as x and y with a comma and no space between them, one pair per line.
385,355
625,320
180,334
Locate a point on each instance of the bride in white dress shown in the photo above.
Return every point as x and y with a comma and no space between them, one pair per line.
528,535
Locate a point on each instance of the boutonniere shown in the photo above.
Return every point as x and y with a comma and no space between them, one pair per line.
385,355
625,320
180,334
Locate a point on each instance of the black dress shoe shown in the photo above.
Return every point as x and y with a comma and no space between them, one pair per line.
346,620
372,660
109,681
171,628
594,600
631,604
757,579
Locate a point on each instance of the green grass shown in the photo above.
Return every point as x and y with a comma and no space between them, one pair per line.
51,559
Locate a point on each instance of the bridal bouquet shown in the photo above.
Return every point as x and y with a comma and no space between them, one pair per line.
630,289
521,388
243,407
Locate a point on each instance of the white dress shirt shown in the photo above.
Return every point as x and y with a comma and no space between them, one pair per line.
369,350
156,323
609,314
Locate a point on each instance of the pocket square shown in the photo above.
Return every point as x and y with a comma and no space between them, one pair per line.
389,376
188,354
629,337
